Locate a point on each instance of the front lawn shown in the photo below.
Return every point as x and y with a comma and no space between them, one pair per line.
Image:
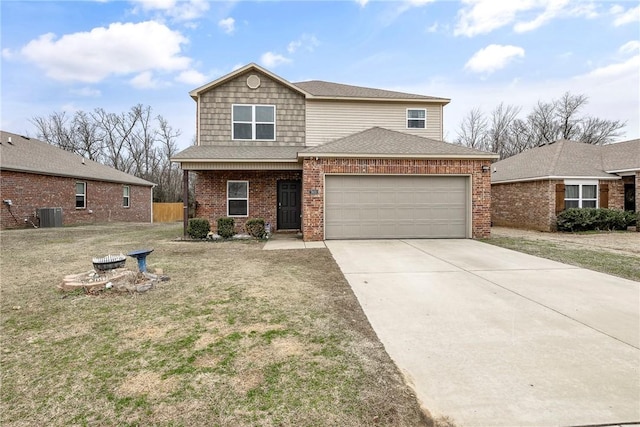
238,336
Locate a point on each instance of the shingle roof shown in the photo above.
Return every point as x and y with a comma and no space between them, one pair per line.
238,152
380,142
622,156
565,158
319,88
31,155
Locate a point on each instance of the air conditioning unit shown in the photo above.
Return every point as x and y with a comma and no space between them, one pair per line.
50,217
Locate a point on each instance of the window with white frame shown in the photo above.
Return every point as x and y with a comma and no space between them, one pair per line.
125,196
237,198
254,122
81,195
580,194
416,118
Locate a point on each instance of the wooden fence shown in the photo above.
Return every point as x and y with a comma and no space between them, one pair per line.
167,212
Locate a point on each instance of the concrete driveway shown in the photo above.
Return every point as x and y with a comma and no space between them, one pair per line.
492,337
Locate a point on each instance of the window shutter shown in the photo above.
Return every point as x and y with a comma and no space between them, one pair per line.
559,198
604,195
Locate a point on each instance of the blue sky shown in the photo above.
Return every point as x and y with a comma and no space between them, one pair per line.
68,56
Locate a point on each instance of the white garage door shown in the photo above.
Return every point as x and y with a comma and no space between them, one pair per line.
386,207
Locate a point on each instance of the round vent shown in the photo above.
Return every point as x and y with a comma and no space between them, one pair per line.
253,81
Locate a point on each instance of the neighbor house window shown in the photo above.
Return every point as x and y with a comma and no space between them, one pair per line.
125,196
237,198
416,118
254,122
81,195
580,194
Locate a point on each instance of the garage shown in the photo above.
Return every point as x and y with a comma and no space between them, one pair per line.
396,206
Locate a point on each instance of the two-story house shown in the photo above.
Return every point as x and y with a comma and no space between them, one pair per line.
332,160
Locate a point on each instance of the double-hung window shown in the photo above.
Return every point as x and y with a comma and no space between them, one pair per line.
580,194
126,196
81,195
254,122
416,118
237,198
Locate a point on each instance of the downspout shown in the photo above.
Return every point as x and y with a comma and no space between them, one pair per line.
185,201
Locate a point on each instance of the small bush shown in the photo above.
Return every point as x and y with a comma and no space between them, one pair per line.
198,228
226,227
255,228
587,219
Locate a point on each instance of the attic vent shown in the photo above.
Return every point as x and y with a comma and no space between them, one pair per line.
253,81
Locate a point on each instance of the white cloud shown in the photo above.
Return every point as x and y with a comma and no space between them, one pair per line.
272,60
484,16
87,92
8,54
630,47
179,10
362,3
493,57
623,17
433,28
192,77
306,42
144,80
228,25
119,49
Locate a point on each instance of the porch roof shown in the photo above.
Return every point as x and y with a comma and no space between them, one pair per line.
238,153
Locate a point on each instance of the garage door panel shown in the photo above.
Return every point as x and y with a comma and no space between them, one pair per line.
395,207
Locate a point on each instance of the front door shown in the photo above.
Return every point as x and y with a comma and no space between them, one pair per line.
630,197
289,205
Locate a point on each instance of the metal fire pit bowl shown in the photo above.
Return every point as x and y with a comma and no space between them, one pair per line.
109,262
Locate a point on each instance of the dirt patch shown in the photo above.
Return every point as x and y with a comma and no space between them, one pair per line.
616,242
147,383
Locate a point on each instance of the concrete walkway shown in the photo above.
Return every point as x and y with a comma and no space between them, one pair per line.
493,337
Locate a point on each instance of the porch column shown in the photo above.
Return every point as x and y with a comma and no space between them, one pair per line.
185,201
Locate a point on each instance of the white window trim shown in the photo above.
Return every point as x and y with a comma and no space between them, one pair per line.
253,122
78,194
580,183
128,196
407,117
237,198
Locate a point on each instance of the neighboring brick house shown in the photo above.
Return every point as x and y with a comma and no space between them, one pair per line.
333,161
528,190
35,175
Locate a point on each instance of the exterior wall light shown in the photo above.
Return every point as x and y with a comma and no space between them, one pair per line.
485,168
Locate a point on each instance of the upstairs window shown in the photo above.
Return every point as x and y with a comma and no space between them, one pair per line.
580,194
416,118
125,196
81,195
254,122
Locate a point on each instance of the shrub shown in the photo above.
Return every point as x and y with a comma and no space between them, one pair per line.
226,227
586,219
255,228
198,228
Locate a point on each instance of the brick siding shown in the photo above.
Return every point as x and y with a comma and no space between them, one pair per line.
215,111
211,195
29,192
315,170
531,204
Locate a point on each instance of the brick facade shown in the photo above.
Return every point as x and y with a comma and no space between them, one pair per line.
211,195
29,192
215,111
531,204
315,170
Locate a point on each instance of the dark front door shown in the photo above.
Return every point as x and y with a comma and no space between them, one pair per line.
289,205
630,197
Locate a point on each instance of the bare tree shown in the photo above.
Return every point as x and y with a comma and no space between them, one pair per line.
473,130
507,134
135,142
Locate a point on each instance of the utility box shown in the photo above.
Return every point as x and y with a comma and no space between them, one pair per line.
50,217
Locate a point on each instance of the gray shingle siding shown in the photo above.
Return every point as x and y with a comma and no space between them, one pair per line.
215,111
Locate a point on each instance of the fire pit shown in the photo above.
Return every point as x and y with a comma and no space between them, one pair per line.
109,262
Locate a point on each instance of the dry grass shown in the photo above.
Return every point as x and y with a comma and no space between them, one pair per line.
238,336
